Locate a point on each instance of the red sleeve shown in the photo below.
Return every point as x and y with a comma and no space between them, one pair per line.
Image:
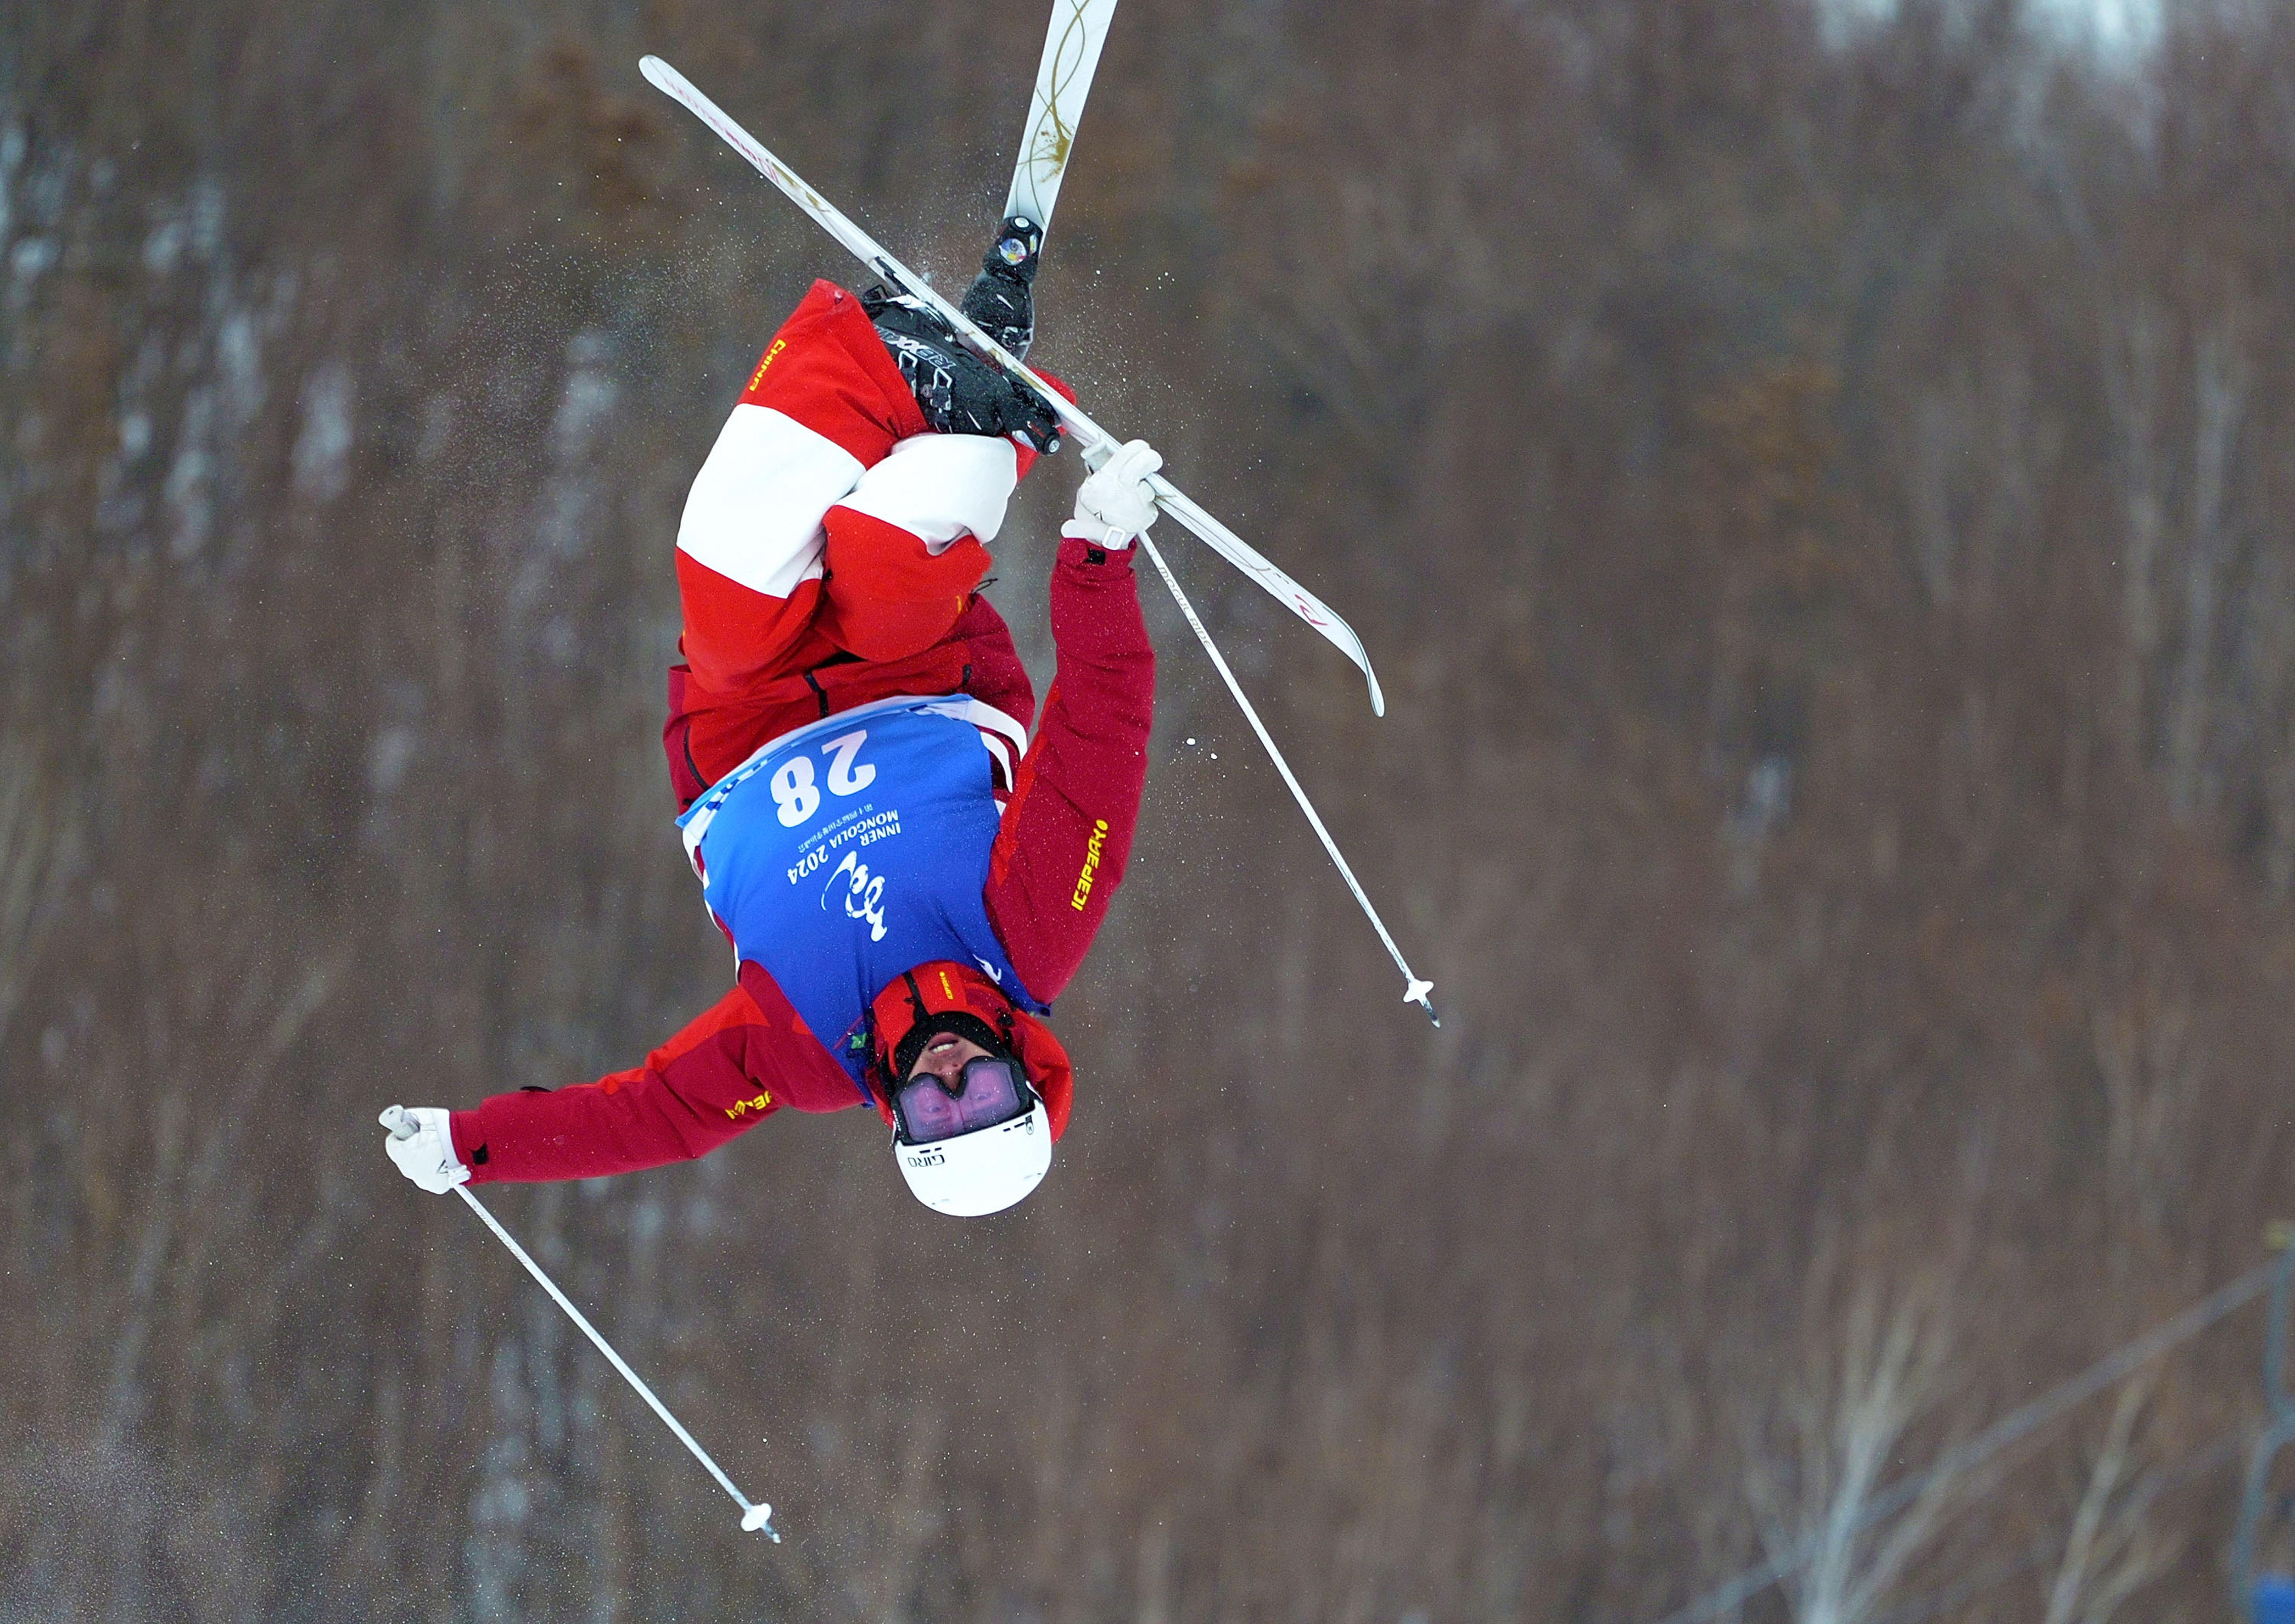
1067,833
719,1077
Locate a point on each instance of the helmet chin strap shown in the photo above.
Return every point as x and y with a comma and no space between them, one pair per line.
998,1040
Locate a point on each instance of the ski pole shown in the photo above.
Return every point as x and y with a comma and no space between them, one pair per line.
753,1516
1415,990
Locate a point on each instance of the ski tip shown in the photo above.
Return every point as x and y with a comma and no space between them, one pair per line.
657,72
1378,699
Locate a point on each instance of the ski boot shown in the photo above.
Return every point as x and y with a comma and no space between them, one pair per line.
999,302
957,391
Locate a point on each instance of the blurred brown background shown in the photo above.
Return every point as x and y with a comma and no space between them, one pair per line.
1816,485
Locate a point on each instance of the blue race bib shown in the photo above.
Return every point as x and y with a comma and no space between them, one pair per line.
853,850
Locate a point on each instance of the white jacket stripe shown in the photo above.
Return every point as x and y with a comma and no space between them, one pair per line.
937,486
753,514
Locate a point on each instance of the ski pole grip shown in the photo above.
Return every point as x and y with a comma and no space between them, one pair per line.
400,1123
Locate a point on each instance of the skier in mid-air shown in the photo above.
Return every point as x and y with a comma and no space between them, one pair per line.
906,878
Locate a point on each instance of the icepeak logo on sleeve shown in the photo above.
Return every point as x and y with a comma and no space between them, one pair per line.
1091,866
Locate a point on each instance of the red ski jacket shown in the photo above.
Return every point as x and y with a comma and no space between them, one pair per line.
830,556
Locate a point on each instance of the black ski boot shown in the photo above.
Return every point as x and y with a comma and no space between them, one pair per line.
999,302
957,392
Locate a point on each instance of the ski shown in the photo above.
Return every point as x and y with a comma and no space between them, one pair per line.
1093,441
1063,80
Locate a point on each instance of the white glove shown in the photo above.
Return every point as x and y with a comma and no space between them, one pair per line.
1116,503
426,1153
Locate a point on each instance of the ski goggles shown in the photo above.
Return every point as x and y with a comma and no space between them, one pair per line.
989,1091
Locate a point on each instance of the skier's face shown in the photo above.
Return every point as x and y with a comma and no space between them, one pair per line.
944,1057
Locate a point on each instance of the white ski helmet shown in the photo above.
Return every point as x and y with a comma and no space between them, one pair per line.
968,1171
982,1171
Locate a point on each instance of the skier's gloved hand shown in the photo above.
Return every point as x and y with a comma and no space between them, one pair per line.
1116,502
427,1154
957,392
